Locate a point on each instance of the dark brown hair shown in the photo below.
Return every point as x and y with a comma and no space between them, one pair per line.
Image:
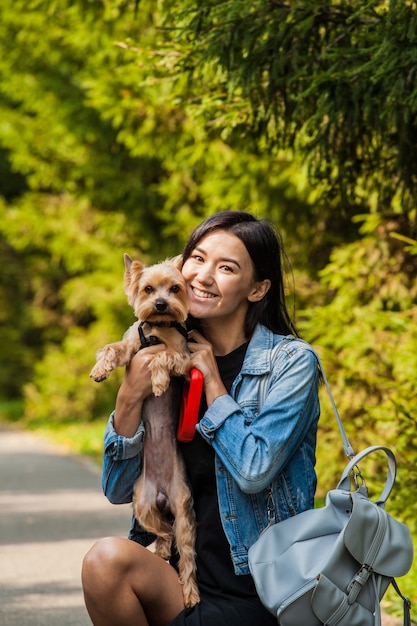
265,248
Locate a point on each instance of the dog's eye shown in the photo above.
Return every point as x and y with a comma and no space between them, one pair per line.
175,289
148,289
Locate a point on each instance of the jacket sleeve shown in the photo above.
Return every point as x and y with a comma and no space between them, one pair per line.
121,463
253,445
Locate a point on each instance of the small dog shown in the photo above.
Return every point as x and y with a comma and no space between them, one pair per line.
159,300
162,500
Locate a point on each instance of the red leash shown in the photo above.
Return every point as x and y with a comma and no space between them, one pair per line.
190,405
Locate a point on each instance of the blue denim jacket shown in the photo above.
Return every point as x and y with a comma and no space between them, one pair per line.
265,456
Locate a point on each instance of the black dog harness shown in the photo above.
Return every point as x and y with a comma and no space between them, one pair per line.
153,340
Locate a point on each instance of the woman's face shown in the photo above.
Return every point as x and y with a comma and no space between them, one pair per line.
220,278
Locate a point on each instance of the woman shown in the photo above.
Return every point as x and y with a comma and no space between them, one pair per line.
242,461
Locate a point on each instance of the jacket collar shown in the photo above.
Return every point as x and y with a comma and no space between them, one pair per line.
258,355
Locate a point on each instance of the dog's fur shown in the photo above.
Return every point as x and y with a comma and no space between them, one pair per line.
162,500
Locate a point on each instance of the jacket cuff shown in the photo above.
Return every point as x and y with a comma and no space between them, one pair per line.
215,416
120,448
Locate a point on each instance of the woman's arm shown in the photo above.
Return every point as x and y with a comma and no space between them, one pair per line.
123,439
254,446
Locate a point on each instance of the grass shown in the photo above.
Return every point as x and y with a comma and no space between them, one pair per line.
85,438
77,437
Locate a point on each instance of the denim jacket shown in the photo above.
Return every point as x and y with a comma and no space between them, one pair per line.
265,456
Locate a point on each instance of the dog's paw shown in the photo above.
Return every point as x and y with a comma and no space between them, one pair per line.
159,388
99,374
106,362
160,378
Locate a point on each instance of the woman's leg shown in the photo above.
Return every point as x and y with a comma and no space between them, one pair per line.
127,585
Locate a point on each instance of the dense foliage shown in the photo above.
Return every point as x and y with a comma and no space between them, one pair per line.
303,73
121,129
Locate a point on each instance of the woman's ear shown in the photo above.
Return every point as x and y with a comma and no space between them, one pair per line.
259,291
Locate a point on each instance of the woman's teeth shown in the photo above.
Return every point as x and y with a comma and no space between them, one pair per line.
203,294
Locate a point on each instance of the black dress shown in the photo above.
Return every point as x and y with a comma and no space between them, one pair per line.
226,599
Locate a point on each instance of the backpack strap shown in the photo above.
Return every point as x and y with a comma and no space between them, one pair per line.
406,603
263,385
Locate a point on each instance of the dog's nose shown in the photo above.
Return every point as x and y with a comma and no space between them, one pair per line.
161,306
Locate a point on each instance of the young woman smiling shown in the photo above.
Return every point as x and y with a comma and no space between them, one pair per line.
242,454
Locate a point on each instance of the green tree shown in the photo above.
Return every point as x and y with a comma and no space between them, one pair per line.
334,80
368,339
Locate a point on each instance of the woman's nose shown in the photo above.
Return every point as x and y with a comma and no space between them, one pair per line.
205,274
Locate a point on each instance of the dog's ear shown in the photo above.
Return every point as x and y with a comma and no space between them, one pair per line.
133,272
176,261
128,261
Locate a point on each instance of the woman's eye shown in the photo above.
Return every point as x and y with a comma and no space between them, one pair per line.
226,268
197,257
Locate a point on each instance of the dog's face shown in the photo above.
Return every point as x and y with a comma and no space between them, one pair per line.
156,293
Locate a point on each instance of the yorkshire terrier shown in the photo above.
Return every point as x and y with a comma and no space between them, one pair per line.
159,299
162,500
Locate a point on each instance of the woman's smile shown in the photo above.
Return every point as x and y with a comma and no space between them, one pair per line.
201,294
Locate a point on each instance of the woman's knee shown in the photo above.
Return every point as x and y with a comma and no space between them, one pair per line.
117,569
104,562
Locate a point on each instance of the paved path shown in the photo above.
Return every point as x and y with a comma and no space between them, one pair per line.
52,510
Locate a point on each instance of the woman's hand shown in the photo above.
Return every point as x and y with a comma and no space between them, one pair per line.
136,386
202,357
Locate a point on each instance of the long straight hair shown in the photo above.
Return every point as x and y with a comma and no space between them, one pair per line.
265,248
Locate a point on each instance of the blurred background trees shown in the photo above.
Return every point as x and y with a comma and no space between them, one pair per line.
122,125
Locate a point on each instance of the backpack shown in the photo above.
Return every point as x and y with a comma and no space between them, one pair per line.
332,565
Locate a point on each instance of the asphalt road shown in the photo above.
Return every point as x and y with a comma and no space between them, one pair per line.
52,510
